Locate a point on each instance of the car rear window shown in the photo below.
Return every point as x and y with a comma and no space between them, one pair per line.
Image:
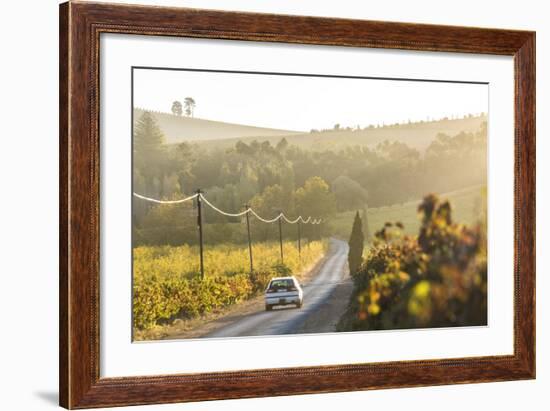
277,284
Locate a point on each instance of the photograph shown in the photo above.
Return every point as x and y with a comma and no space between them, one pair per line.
296,203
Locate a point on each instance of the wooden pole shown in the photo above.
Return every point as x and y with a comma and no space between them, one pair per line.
281,239
249,239
199,223
299,241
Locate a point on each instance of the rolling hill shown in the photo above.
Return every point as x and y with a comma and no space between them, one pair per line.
217,134
177,129
416,135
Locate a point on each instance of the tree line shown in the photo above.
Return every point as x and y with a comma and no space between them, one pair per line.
283,177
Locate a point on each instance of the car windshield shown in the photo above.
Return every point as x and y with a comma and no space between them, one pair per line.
279,284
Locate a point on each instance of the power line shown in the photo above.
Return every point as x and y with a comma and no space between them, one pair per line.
264,219
153,200
280,216
221,211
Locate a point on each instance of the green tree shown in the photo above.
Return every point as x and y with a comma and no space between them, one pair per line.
149,149
286,179
171,224
282,145
270,202
225,198
356,244
247,184
349,193
182,159
315,199
190,104
268,205
177,108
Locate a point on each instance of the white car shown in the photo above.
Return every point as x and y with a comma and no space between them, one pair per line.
283,291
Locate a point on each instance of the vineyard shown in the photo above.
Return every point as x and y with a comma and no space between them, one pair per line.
167,283
435,279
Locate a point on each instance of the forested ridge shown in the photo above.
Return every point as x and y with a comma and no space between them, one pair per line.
274,177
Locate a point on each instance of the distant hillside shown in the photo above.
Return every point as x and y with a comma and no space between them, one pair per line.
219,134
180,128
418,135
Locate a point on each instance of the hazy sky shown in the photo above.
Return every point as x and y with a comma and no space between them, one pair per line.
303,103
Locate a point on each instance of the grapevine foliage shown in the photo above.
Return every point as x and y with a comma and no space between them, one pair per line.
167,284
435,279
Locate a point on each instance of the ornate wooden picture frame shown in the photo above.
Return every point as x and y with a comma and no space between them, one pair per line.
81,25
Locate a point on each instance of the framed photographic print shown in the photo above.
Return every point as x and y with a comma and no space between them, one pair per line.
259,205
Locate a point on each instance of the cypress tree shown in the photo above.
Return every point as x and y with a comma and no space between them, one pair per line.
356,244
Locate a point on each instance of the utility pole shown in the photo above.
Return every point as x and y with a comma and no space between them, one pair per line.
249,238
299,241
199,223
281,237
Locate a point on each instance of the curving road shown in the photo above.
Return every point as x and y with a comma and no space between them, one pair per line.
284,320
